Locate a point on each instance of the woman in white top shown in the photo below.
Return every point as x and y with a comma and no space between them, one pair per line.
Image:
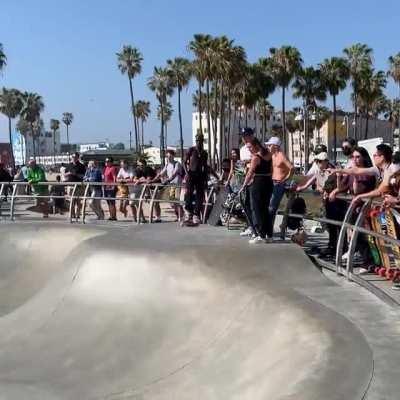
124,176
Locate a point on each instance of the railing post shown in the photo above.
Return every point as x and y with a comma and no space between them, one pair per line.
84,202
207,203
353,240
71,202
153,196
12,207
285,218
342,236
140,205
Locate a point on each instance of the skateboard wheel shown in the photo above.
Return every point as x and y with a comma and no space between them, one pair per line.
382,272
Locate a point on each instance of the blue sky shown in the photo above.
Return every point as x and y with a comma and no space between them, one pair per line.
65,51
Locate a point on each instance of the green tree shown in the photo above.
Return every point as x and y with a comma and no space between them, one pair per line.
359,57
167,111
32,106
67,119
392,113
142,113
130,63
370,90
11,106
394,73
335,73
286,62
180,71
309,86
160,84
54,126
3,58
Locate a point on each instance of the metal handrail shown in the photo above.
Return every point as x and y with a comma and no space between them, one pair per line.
153,187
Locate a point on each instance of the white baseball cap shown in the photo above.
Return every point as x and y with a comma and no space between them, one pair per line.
274,140
321,157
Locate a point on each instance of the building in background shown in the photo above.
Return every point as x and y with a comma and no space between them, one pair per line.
238,121
154,156
324,135
82,147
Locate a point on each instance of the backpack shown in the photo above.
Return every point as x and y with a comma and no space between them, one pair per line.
298,207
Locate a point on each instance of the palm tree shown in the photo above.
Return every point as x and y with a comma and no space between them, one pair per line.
370,90
167,111
54,126
67,119
200,46
286,62
394,72
180,71
32,106
392,113
308,85
10,106
142,113
3,58
160,84
359,57
130,62
335,73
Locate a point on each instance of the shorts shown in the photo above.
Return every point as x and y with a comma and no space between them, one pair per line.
174,193
123,191
110,193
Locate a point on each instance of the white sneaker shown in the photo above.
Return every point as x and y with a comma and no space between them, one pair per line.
247,232
196,220
345,256
257,240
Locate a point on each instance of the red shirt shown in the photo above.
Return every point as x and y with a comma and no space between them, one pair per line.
110,176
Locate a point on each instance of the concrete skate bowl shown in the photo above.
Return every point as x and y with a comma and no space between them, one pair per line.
167,313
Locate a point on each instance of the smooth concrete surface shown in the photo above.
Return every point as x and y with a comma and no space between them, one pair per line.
162,312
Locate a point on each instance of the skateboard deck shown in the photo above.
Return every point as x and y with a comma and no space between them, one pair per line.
372,243
378,224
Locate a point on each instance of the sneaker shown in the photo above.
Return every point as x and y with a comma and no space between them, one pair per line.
257,240
196,220
247,232
157,220
269,240
345,256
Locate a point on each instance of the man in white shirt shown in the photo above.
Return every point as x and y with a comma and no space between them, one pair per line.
247,135
172,174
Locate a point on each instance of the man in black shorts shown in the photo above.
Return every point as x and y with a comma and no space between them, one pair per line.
196,180
75,172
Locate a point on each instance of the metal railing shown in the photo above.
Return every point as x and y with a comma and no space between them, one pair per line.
355,228
149,193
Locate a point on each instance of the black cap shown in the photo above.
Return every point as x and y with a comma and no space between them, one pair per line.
246,132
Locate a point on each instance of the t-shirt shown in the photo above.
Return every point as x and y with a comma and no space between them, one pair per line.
145,172
77,172
124,174
110,175
245,153
171,169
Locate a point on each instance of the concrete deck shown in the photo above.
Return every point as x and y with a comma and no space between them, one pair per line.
162,312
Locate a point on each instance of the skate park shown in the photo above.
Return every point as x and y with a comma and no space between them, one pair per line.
161,312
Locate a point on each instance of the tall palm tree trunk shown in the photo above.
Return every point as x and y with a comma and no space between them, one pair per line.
210,158
11,145
200,109
133,112
222,132
68,136
355,114
306,139
334,131
180,122
245,115
284,138
162,146
142,121
366,125
229,120
33,140
215,127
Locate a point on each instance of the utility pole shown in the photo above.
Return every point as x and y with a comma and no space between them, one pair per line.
130,140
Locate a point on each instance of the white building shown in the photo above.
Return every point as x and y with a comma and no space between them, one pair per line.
154,155
254,121
93,146
46,144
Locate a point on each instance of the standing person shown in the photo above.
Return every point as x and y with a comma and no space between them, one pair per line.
57,193
348,146
124,176
75,172
196,181
36,175
63,170
258,182
172,174
282,171
5,176
247,135
93,174
110,190
236,173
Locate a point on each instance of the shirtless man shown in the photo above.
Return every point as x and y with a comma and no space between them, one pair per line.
282,170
